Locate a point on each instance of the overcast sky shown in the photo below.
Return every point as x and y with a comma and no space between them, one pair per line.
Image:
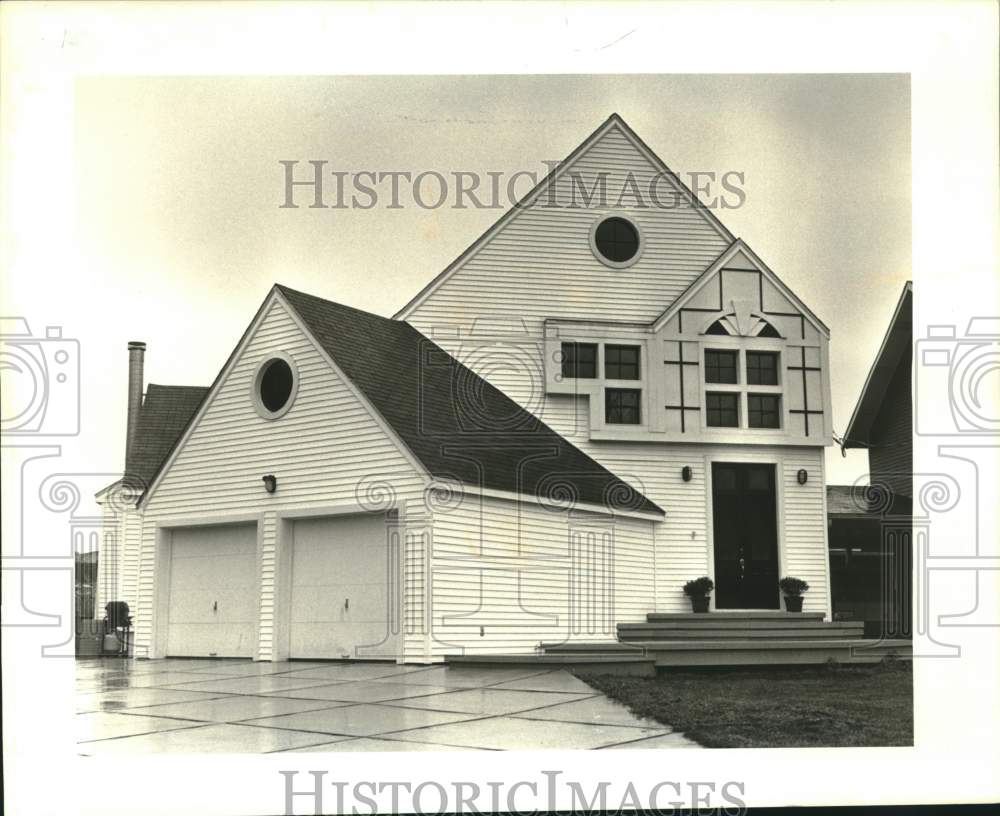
180,234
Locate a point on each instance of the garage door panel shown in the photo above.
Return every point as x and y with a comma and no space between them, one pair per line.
228,539
201,640
213,591
319,604
334,559
332,641
212,606
355,561
203,572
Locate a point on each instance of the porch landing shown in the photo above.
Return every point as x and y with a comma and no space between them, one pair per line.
712,639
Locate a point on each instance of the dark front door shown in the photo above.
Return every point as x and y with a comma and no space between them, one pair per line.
745,535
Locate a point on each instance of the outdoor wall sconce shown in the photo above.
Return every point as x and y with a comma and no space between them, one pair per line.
686,473
802,476
270,483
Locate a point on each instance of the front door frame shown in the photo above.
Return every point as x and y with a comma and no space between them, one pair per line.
750,458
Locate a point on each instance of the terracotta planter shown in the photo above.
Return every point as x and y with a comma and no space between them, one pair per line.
793,603
699,603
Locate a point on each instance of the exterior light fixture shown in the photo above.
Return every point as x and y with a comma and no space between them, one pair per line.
802,476
270,483
686,473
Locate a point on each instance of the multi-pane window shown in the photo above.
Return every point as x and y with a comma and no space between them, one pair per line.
763,410
762,367
720,366
721,410
621,362
621,406
617,240
579,360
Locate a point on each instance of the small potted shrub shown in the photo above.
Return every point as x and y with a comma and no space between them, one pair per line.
793,589
698,591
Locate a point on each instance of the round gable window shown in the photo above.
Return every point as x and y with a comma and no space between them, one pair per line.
616,242
274,386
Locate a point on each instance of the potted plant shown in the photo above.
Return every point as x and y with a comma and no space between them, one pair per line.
793,589
698,591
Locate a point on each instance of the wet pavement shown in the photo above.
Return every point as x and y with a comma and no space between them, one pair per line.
236,706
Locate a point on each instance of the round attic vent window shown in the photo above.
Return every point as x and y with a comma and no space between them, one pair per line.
275,386
616,242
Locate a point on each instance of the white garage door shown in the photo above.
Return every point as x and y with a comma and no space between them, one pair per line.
342,584
213,592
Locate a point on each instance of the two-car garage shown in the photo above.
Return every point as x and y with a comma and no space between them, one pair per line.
342,589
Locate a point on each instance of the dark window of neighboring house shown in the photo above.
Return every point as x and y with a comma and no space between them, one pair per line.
617,240
721,410
579,360
621,362
762,367
621,406
720,366
762,411
716,328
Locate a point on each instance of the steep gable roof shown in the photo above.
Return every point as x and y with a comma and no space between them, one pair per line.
613,122
896,349
165,413
458,425
455,424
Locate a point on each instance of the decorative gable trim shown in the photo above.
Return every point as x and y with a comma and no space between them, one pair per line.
735,248
613,122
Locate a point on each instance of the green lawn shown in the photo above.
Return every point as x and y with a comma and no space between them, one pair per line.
776,707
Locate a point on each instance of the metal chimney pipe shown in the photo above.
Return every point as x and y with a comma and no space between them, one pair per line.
136,359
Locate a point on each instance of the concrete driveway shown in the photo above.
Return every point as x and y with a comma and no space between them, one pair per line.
235,706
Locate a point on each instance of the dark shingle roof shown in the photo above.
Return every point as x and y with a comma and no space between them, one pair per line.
166,412
454,422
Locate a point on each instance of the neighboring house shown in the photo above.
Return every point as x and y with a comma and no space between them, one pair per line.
85,580
870,524
592,405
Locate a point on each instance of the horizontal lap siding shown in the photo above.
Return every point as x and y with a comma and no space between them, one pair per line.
806,553
327,450
542,251
130,558
507,576
682,538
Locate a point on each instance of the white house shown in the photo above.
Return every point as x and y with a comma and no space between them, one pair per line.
603,397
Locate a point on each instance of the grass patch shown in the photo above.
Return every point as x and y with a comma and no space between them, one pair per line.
776,707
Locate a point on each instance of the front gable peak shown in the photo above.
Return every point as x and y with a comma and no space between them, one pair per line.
611,175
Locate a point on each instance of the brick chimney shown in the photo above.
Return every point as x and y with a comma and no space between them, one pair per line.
136,358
